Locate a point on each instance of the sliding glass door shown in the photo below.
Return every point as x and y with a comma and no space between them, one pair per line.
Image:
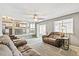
42,29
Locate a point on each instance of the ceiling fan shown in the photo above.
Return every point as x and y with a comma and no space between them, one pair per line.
37,18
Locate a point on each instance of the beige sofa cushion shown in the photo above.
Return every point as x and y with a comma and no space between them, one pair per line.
56,36
24,48
5,51
11,45
31,52
19,42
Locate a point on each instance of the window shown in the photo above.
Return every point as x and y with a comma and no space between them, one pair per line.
32,28
32,25
65,26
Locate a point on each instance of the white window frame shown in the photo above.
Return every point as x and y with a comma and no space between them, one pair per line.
32,28
63,27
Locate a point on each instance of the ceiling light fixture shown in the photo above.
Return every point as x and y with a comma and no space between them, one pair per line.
35,18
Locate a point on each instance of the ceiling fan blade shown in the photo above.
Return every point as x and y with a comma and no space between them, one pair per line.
41,18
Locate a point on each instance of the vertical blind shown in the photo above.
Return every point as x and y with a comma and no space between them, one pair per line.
65,25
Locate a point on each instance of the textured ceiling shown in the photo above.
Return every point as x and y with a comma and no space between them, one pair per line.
25,11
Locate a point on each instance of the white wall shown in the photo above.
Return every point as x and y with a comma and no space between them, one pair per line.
0,27
75,37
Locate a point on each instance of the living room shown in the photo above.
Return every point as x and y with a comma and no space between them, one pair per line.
44,29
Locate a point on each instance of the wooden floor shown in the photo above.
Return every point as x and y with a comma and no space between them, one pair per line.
49,50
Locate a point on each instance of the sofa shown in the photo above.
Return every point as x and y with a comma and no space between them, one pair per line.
7,47
24,48
15,47
53,38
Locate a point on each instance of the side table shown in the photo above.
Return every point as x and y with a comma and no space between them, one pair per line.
65,43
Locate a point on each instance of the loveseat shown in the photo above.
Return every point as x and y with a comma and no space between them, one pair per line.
53,38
